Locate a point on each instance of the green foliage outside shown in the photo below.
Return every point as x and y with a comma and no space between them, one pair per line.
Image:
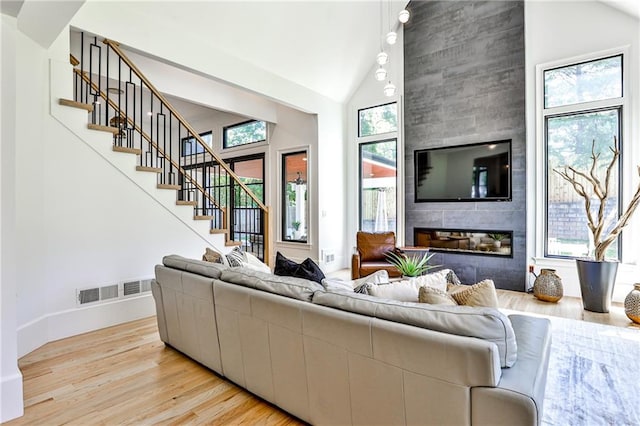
253,131
377,120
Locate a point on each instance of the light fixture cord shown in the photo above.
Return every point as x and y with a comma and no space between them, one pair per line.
381,27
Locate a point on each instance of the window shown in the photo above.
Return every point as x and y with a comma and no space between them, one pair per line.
377,120
378,186
582,107
294,197
190,145
244,133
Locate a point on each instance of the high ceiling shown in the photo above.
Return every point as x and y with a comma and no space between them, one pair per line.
326,46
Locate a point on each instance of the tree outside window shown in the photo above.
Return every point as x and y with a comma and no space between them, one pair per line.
575,118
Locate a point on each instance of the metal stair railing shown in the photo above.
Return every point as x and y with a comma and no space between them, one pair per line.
150,126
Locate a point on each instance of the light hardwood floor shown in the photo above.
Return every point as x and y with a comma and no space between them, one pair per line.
126,375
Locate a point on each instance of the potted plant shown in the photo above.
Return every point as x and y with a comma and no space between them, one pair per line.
597,275
497,239
411,266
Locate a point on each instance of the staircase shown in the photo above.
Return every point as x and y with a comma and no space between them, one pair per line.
133,126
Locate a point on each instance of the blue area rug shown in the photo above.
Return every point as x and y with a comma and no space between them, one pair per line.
594,375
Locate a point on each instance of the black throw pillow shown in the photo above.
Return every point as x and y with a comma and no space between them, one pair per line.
285,267
309,270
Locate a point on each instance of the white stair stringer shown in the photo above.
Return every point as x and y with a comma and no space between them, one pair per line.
75,120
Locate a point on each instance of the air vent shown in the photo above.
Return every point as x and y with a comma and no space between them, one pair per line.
131,287
109,292
145,285
88,295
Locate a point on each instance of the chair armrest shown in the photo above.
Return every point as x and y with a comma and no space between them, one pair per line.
355,266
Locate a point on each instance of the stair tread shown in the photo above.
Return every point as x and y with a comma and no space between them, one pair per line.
149,169
75,104
186,203
167,186
217,231
127,150
232,243
102,128
203,217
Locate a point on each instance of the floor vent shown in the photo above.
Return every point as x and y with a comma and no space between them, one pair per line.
88,295
113,291
131,287
109,292
146,285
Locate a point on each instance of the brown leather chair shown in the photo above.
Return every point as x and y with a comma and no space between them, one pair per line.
371,253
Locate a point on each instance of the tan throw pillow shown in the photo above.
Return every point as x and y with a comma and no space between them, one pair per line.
212,256
480,294
435,296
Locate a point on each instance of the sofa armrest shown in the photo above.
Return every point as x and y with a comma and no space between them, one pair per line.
355,266
518,398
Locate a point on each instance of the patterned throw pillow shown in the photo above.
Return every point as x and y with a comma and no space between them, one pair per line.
480,294
236,257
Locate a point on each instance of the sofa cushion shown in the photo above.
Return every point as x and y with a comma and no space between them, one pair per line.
296,288
480,294
207,269
483,323
435,296
407,290
284,267
236,257
308,269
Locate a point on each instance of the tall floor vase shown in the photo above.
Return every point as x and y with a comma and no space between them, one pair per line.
596,283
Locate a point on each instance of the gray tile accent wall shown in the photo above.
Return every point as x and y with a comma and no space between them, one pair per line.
465,83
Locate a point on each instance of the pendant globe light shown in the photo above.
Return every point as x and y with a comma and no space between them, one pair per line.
403,16
389,89
380,74
382,58
391,37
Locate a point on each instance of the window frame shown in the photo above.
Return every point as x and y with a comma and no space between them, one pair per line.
539,164
192,140
283,196
244,123
377,135
360,178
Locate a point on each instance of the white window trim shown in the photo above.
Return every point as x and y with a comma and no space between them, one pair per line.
630,255
398,135
310,204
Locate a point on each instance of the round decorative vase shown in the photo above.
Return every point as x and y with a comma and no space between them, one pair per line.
497,244
548,286
632,304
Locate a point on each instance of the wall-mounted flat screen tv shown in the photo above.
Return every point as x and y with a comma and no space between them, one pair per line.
475,172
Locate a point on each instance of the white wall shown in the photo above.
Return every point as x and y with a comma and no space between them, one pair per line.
80,221
11,404
370,93
563,30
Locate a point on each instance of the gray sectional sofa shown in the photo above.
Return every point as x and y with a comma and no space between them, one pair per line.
337,358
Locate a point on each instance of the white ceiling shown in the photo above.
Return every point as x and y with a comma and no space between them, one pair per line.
326,46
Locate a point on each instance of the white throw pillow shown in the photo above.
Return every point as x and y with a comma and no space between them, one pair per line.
335,284
255,264
407,290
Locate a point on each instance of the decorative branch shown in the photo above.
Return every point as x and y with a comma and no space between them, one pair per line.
601,192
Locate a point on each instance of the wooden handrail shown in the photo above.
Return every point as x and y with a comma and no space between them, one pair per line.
152,143
116,48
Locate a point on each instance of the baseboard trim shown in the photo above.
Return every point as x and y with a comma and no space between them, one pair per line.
12,405
72,322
